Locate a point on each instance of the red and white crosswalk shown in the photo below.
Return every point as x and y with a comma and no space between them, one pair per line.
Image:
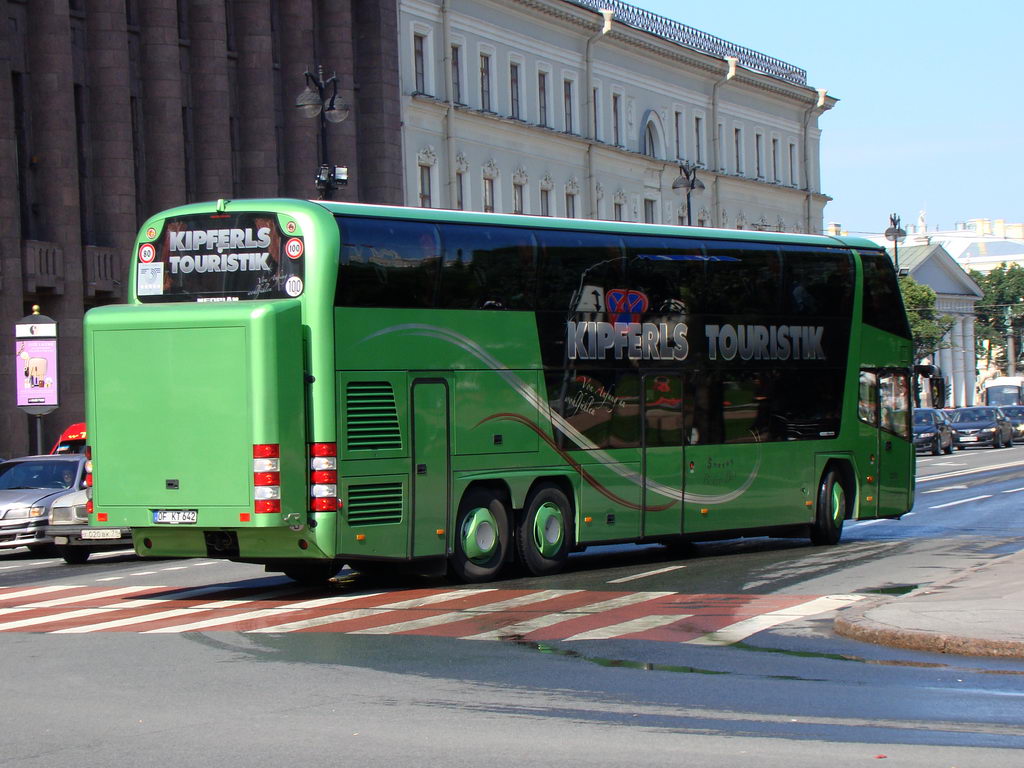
467,613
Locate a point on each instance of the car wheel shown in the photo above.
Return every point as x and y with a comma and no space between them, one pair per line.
937,446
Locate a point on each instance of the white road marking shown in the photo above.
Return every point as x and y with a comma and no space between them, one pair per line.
629,627
542,622
947,488
58,601
362,612
470,613
645,575
962,501
744,629
1014,490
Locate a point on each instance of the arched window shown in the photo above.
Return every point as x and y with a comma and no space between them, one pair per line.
650,140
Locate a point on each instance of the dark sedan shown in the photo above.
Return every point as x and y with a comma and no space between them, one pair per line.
982,426
1015,413
932,431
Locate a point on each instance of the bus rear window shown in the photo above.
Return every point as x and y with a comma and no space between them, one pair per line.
220,257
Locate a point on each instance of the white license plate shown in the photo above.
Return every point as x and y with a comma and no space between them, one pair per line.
968,438
175,516
101,533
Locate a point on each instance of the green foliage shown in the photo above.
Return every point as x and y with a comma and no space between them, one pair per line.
926,324
1001,312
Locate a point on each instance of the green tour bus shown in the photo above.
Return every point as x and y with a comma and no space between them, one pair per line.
308,384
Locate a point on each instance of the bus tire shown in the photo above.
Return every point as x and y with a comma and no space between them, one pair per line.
544,536
833,500
313,572
74,555
482,536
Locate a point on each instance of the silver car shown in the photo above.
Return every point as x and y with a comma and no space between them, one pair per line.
73,537
28,488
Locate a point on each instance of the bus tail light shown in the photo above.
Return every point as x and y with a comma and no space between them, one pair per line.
266,478
323,477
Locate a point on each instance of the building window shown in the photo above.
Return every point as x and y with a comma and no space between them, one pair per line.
518,198
794,178
680,144
425,197
618,211
513,86
419,61
759,154
545,202
649,211
456,76
542,98
617,119
485,82
570,205
594,101
567,97
698,139
488,195
737,145
650,139
775,161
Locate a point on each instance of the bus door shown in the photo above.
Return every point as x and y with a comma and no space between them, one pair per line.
884,414
662,463
431,444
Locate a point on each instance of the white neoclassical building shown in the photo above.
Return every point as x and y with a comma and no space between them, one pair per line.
581,108
956,294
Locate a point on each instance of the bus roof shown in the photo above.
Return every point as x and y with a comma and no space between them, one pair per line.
513,220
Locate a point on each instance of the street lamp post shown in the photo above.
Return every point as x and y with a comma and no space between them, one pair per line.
897,235
688,180
314,101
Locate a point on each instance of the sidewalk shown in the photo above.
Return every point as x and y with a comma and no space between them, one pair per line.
978,612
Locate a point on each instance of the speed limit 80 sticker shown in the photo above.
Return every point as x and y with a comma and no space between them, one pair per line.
294,247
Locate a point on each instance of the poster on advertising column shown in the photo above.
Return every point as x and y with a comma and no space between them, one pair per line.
35,365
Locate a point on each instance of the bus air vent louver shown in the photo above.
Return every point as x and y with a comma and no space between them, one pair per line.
372,417
374,504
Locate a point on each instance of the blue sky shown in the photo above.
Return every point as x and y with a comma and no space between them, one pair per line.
931,110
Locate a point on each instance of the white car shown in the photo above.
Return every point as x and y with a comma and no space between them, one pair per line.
28,487
72,535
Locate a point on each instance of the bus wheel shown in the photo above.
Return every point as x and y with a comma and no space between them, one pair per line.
481,537
316,572
545,533
831,510
74,555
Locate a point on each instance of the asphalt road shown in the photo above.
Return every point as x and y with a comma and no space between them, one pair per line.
760,680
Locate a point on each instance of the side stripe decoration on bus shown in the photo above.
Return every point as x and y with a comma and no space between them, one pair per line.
541,406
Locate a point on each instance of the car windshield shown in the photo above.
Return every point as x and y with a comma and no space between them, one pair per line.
1016,412
975,414
38,474
923,418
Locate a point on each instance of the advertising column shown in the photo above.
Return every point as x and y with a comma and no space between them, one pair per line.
35,349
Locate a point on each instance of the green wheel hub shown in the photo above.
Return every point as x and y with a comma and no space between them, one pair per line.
479,535
548,529
838,504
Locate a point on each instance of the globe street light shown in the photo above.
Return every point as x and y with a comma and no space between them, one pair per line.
897,235
314,101
688,180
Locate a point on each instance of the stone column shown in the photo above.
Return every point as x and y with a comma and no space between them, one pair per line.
970,360
54,144
336,47
297,51
162,105
258,137
13,423
958,361
945,360
211,99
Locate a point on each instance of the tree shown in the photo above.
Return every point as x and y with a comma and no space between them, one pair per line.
1001,313
927,326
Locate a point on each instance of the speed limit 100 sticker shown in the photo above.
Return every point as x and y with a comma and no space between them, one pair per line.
293,248
147,253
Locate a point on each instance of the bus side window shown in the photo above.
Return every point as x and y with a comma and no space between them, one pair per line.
895,403
743,281
385,263
487,268
867,402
